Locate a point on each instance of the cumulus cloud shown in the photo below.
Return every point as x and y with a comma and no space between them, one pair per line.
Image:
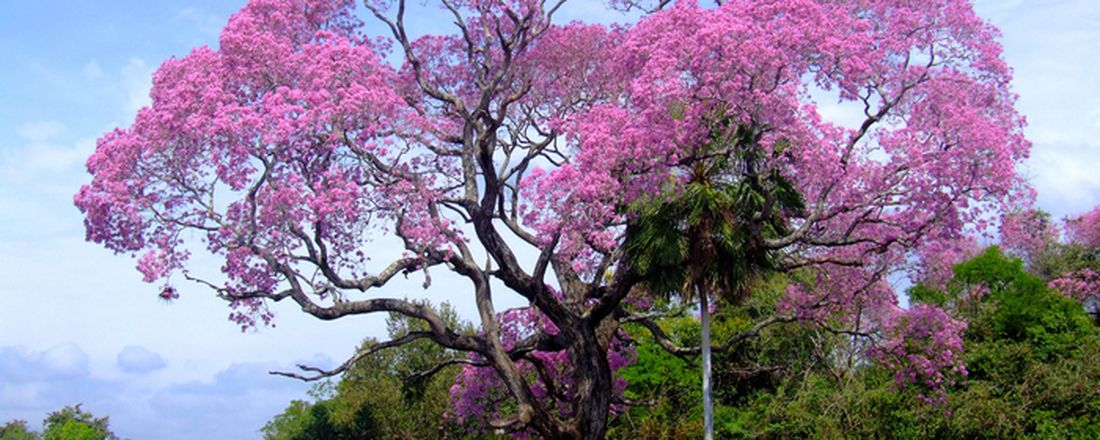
235,404
1055,77
40,131
28,377
137,79
65,361
138,360
41,155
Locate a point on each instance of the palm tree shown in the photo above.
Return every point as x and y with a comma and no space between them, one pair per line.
707,237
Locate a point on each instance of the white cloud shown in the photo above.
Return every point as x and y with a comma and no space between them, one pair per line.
14,395
234,404
997,7
40,131
1065,176
1053,47
208,24
42,158
138,360
137,79
66,360
22,365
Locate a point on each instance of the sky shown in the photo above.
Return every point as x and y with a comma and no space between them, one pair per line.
77,325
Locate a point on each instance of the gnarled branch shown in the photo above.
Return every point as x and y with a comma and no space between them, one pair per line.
319,373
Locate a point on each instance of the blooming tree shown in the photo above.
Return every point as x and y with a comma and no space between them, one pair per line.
297,141
935,361
1077,277
1065,253
1028,234
1084,230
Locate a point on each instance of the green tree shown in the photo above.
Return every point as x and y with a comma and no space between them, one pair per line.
707,238
17,430
1034,362
387,395
291,423
1032,353
665,388
72,423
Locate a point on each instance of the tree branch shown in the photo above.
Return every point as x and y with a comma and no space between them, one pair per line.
666,343
318,373
421,375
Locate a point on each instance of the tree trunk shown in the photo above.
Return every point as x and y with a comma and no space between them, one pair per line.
592,377
708,399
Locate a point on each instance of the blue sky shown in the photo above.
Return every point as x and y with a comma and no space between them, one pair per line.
78,326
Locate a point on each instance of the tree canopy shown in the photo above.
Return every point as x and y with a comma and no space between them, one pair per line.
509,150
68,423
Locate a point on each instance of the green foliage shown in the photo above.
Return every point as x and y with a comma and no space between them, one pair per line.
1019,306
1062,258
291,424
72,423
323,420
707,234
669,388
378,398
1033,356
17,430
760,364
73,430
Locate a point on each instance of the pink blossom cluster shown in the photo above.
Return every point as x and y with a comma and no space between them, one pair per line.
846,296
923,345
284,132
1028,234
1079,284
749,62
938,259
1084,230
